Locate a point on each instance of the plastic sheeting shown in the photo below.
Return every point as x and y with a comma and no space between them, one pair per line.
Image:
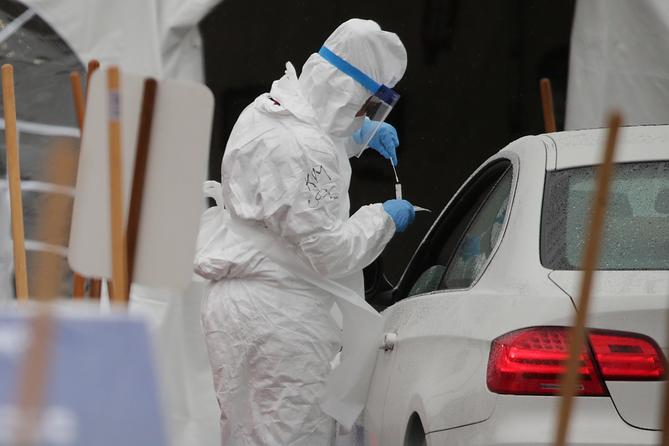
619,60
151,37
42,62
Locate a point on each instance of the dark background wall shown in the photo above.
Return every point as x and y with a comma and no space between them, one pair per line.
470,88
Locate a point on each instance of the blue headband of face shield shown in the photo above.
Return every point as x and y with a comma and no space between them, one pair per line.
386,94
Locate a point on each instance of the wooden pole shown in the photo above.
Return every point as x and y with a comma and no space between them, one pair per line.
139,174
52,223
118,243
96,289
78,97
33,377
34,367
93,65
547,105
96,284
14,177
577,333
78,281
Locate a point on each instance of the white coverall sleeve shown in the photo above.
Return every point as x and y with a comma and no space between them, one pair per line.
300,198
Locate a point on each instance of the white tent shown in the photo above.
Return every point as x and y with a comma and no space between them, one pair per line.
151,37
159,38
619,60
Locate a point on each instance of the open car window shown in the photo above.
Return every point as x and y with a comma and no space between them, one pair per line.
444,259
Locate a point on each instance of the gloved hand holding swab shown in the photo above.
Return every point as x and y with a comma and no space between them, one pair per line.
398,191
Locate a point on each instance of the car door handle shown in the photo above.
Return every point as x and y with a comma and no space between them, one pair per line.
389,340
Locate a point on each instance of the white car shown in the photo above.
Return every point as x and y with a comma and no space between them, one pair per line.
475,329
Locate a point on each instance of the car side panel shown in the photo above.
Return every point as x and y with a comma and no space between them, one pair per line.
531,420
373,415
438,366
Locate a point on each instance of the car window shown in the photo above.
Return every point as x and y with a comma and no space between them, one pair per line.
479,240
465,214
637,217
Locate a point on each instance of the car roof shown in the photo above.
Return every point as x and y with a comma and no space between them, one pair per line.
586,147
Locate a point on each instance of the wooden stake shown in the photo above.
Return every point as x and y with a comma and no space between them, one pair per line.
96,289
78,285
33,377
32,385
139,174
96,284
53,216
78,97
78,281
14,177
93,65
590,261
118,243
547,105
52,224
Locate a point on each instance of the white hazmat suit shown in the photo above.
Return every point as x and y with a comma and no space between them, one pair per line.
270,334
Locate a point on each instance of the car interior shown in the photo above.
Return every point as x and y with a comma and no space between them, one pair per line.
456,246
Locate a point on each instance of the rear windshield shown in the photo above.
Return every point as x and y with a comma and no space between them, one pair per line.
636,233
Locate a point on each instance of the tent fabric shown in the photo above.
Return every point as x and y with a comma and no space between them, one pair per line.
151,37
619,60
45,119
158,38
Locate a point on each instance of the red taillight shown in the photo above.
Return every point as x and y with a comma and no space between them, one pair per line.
531,361
627,356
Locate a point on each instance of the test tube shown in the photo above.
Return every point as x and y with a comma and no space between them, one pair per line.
398,185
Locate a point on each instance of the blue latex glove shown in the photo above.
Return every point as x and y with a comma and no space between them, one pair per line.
402,213
384,141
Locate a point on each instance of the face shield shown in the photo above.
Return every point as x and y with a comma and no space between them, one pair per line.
375,111
377,107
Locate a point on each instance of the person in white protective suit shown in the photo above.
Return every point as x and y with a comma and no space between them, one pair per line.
270,334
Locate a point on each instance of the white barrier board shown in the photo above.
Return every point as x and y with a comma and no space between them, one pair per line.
176,169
